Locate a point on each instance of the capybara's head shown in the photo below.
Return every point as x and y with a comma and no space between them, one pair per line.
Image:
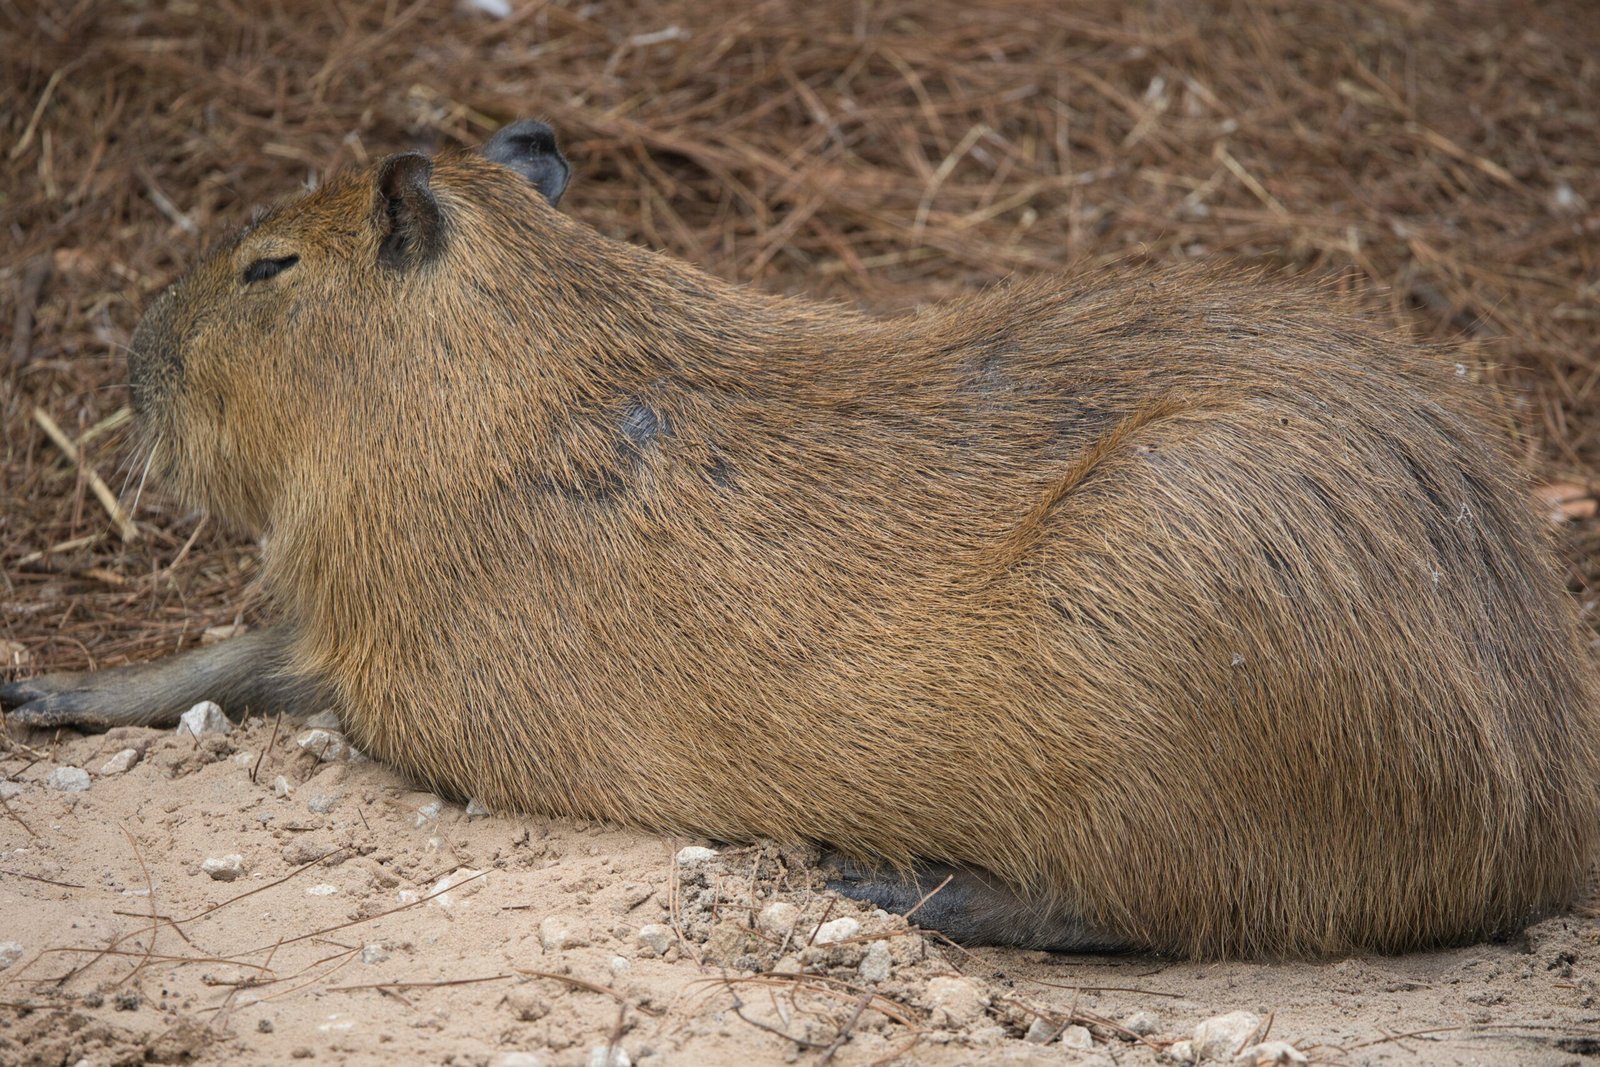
328,308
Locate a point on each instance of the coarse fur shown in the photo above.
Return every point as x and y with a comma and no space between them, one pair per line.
1193,610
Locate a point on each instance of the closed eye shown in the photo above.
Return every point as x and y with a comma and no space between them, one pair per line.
262,269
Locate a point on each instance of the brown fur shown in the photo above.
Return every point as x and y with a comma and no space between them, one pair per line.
1180,602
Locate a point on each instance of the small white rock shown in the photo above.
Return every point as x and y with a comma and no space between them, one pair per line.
328,745
407,896
1180,1052
323,890
694,855
1222,1036
476,807
374,952
607,1056
245,759
517,1059
656,937
956,1002
619,965
281,787
452,888
204,718
1039,1032
1077,1037
322,803
223,868
1270,1054
1143,1023
428,811
10,952
11,789
1564,200
326,719
495,9
878,964
68,780
556,932
121,763
837,930
778,918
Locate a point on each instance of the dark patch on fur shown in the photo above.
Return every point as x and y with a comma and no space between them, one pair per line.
720,473
643,425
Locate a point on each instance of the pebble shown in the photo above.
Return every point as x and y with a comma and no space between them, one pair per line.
1180,1052
694,855
517,1059
1077,1037
476,807
374,952
329,745
557,932
778,918
10,952
956,1002
223,868
1270,1053
323,890
837,930
1039,1032
281,787
497,9
1143,1023
68,780
204,718
322,803
451,888
428,811
11,789
121,763
1221,1036
619,965
656,937
609,1056
878,964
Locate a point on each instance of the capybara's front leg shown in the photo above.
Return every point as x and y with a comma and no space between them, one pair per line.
245,674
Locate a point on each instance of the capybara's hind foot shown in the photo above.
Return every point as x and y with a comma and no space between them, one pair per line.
967,905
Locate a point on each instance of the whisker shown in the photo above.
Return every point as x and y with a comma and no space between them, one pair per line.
133,509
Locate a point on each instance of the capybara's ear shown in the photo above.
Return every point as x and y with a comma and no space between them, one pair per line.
529,148
410,227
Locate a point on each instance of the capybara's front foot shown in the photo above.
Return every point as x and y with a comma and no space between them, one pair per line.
245,674
80,699
967,905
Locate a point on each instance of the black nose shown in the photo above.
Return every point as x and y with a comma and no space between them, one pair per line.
155,361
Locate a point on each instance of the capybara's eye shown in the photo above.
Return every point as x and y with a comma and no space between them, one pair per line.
263,269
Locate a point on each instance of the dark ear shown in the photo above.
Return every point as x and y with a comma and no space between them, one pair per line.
529,148
410,227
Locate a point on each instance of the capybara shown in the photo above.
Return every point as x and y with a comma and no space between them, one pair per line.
1175,610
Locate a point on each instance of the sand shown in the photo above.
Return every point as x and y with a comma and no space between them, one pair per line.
365,922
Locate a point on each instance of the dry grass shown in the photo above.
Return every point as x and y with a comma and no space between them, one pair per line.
1441,155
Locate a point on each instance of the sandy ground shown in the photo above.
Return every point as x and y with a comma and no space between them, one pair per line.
370,923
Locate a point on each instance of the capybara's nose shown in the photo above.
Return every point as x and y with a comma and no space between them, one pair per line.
155,364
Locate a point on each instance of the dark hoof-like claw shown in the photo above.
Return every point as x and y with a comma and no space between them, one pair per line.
967,905
53,700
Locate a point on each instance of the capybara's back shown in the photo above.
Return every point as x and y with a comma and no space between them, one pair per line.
1169,609
1290,671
